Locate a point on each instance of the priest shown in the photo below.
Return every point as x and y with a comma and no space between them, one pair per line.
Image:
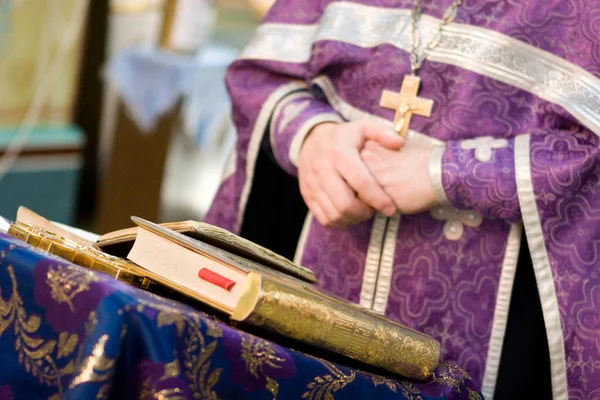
436,161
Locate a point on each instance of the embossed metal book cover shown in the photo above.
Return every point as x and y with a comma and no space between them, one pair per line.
304,312
84,256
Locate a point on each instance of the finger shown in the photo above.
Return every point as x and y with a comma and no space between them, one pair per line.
373,153
317,212
368,158
371,161
345,201
375,148
311,188
382,134
358,177
312,205
335,219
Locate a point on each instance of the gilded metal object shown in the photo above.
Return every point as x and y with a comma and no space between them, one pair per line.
406,103
84,256
349,331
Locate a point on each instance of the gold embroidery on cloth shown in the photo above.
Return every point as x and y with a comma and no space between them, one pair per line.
168,318
104,391
473,395
197,365
149,389
33,353
67,281
91,323
164,394
273,387
451,376
323,387
409,391
256,353
172,370
97,367
380,380
66,344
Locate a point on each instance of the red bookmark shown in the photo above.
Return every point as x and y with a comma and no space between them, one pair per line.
215,279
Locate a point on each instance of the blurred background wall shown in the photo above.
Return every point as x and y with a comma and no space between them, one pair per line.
116,108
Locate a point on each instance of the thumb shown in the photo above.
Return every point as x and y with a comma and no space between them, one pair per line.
382,134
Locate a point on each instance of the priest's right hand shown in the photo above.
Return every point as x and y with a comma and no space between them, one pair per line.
336,185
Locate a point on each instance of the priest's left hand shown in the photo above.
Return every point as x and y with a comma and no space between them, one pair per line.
403,174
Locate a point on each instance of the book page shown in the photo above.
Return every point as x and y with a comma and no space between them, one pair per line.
30,218
181,266
4,224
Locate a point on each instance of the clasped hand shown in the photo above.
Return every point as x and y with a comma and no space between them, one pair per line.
349,171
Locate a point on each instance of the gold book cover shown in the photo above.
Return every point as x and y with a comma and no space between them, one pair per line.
286,306
119,243
84,256
322,321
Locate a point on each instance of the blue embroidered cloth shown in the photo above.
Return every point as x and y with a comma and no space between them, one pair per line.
71,333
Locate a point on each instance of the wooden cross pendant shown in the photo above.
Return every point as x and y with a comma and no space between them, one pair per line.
406,103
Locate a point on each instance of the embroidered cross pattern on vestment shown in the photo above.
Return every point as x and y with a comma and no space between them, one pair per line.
484,147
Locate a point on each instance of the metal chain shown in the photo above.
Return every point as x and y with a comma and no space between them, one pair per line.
416,60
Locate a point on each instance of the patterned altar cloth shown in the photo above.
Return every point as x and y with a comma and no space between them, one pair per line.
71,333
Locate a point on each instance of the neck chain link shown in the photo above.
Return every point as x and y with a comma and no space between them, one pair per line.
416,59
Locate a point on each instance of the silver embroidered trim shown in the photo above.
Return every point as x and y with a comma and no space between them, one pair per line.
479,50
386,266
484,146
367,291
301,246
507,277
230,163
305,129
456,220
280,42
541,266
275,126
290,112
435,175
258,131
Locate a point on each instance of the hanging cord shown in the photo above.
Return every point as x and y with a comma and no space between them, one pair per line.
53,71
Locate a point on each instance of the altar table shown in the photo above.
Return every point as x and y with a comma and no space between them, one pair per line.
70,333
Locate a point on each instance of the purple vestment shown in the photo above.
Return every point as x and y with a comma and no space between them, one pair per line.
515,123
